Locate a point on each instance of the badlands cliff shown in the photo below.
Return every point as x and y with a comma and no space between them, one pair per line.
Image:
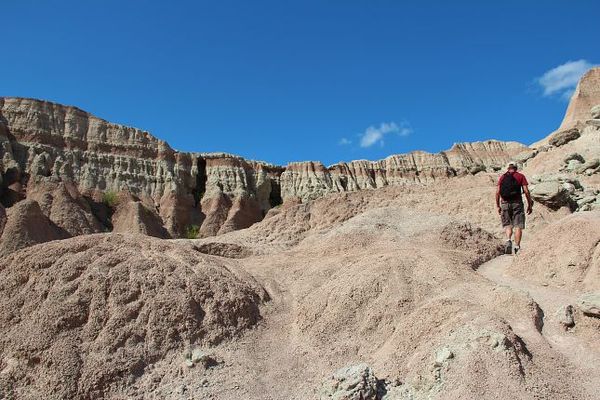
58,154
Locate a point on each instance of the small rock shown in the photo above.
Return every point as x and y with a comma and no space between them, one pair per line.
442,355
196,356
357,382
595,112
569,187
573,165
586,200
574,157
565,316
589,304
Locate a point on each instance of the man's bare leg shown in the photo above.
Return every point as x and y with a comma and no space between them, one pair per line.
508,245
518,234
508,230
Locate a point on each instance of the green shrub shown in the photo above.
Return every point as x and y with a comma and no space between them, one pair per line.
110,198
192,231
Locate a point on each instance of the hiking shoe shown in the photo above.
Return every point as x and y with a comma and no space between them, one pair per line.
516,250
508,247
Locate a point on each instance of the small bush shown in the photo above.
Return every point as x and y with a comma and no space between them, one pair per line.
192,231
110,199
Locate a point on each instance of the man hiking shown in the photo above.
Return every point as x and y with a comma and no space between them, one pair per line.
510,205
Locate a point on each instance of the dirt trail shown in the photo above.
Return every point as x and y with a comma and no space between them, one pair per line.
582,354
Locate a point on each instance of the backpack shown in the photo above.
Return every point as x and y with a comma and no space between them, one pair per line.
510,189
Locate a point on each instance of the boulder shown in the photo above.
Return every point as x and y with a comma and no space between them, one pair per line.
574,156
569,187
586,200
591,165
357,382
573,165
563,137
522,157
589,304
565,316
552,194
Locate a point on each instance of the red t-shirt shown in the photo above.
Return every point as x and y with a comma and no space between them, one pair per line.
520,178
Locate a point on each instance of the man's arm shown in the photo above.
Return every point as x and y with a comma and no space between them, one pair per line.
529,200
498,199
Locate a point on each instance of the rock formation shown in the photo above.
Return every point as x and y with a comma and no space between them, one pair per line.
70,162
589,304
133,216
586,96
25,226
310,180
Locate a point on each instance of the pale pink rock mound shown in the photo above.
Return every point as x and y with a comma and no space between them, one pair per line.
88,316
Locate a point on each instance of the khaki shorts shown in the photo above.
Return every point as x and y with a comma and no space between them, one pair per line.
512,214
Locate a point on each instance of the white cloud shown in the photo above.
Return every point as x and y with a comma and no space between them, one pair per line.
563,79
344,141
373,135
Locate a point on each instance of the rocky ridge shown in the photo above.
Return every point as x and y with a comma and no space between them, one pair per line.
46,146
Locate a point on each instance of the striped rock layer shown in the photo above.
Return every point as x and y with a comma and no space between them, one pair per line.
51,152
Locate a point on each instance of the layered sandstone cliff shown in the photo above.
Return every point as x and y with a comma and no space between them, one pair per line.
310,180
43,143
47,150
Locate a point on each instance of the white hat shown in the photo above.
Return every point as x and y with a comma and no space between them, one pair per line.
512,164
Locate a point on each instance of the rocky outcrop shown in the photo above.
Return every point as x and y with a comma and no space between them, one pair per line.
43,142
563,137
71,145
553,194
69,161
234,193
310,180
589,304
25,226
132,216
64,206
586,96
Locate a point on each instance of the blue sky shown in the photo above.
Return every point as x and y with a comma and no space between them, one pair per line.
321,80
